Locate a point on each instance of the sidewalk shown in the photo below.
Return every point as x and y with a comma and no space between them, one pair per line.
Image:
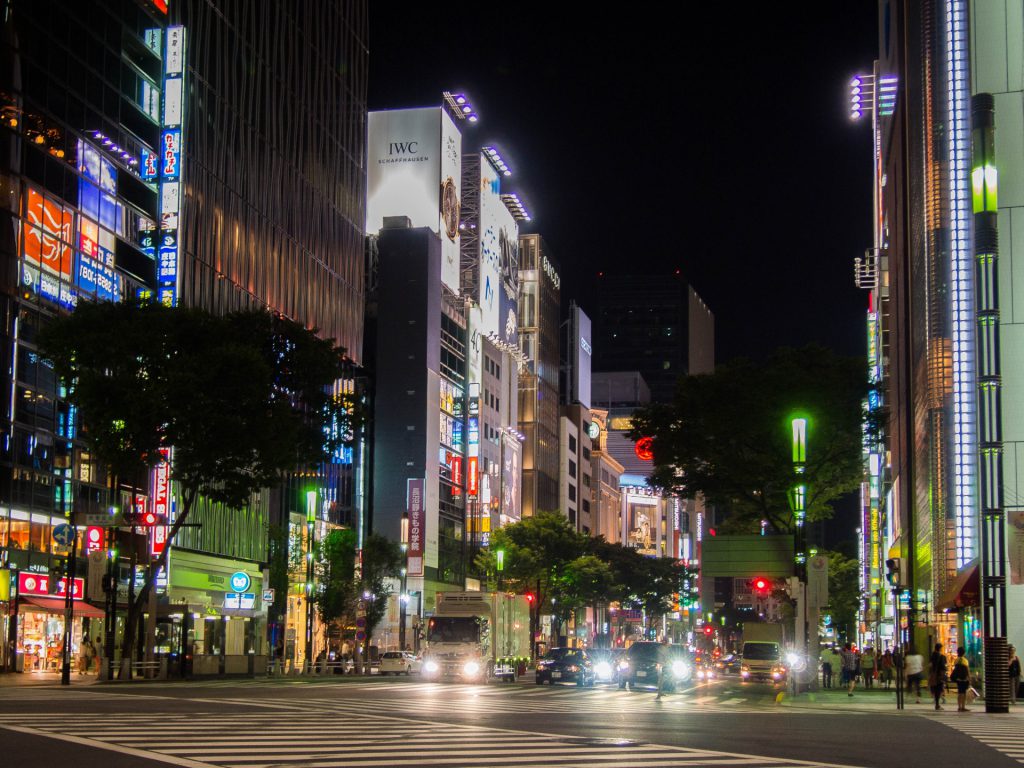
878,700
23,679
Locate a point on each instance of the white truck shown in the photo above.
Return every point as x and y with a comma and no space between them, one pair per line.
474,636
762,657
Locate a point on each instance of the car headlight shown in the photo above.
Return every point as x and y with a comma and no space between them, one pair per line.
623,666
744,668
471,668
603,669
430,666
680,669
573,668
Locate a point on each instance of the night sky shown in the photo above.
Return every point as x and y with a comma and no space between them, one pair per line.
652,142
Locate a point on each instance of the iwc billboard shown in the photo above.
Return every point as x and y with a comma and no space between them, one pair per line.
414,165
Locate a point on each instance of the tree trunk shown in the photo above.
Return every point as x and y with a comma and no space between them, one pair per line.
135,606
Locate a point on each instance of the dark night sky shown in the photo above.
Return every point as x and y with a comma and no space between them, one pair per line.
720,146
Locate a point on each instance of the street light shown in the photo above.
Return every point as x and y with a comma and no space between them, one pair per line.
310,612
403,597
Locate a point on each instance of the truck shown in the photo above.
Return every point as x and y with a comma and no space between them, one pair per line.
476,636
761,654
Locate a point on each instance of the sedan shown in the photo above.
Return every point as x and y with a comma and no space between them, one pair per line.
606,663
565,665
400,663
644,662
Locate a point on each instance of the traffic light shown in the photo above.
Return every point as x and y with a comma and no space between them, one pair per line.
894,571
141,518
760,586
529,598
709,630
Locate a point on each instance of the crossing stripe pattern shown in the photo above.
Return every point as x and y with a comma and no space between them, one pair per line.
1003,733
266,740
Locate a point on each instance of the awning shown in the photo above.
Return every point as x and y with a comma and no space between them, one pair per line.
56,605
964,591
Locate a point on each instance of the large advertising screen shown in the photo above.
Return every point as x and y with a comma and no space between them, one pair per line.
511,477
414,166
499,259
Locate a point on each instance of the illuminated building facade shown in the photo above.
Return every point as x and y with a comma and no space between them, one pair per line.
539,301
944,349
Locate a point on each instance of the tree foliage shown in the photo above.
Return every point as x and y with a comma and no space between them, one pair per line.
334,563
843,593
242,398
727,435
381,563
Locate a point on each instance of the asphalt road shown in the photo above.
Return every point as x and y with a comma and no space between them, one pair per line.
396,722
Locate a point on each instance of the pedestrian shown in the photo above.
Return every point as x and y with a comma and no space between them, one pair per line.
937,675
867,665
961,675
915,671
83,656
849,668
826,668
1014,670
887,668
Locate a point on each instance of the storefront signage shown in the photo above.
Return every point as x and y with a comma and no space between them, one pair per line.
417,525
472,477
245,601
240,581
161,494
169,165
37,585
93,539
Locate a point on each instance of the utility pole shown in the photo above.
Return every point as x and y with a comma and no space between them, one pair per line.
403,597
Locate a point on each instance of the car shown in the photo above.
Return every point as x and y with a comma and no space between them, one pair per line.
606,663
643,664
565,665
728,664
400,663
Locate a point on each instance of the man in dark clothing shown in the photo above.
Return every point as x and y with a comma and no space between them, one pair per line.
937,674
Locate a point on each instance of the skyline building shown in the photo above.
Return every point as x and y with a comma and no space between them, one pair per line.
944,346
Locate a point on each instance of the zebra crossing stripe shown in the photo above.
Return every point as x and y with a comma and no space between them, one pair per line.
185,763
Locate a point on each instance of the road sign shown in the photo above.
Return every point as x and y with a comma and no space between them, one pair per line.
63,534
268,596
361,622
360,635
104,520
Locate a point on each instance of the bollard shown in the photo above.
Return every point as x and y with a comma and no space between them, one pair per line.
163,668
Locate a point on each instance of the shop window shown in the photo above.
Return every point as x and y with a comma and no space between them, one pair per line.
87,468
5,524
39,534
19,534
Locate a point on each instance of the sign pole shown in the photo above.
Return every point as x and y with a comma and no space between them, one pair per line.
69,598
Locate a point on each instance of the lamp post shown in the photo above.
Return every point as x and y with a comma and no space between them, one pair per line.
310,533
403,598
798,502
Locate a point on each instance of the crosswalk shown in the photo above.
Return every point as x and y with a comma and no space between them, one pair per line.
359,740
1004,733
386,698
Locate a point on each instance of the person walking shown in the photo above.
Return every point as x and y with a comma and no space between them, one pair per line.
937,675
961,675
826,668
867,665
887,668
1014,670
849,668
915,671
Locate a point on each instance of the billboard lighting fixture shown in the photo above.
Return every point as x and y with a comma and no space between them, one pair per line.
516,207
497,161
459,106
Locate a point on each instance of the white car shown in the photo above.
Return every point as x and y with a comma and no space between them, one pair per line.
400,663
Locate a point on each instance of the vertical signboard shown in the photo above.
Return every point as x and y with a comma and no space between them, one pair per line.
489,228
161,495
414,508
581,357
414,167
511,477
168,164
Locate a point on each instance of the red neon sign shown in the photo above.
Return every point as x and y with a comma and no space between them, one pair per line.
472,466
644,449
161,502
37,585
93,538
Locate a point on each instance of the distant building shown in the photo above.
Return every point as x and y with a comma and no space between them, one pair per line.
539,301
654,324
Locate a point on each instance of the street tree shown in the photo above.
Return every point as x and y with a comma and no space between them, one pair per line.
537,552
243,399
334,563
727,435
844,594
381,563
583,582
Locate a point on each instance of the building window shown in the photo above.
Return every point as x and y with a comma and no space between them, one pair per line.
572,444
586,453
572,492
572,468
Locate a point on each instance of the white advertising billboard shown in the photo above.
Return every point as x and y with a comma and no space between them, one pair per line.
499,258
414,165
581,357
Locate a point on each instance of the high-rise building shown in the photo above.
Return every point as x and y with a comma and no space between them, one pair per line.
944,101
539,306
140,162
654,324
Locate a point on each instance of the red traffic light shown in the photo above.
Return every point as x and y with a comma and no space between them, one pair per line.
708,629
529,597
760,584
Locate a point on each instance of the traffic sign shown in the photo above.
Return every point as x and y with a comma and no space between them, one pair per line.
268,595
63,534
361,622
360,635
104,520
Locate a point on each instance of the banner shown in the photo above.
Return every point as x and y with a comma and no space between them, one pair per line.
417,525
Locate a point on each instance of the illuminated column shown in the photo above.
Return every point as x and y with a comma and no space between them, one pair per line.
798,496
984,179
965,457
310,608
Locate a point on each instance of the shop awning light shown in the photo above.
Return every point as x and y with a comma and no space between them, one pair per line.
496,160
459,106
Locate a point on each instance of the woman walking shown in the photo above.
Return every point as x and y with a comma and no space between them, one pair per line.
1014,670
962,677
937,675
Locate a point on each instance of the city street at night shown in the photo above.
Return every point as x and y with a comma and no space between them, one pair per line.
262,723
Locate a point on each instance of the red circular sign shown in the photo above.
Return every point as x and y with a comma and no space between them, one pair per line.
644,449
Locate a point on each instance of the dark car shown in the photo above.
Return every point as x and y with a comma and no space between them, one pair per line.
565,665
644,661
728,664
